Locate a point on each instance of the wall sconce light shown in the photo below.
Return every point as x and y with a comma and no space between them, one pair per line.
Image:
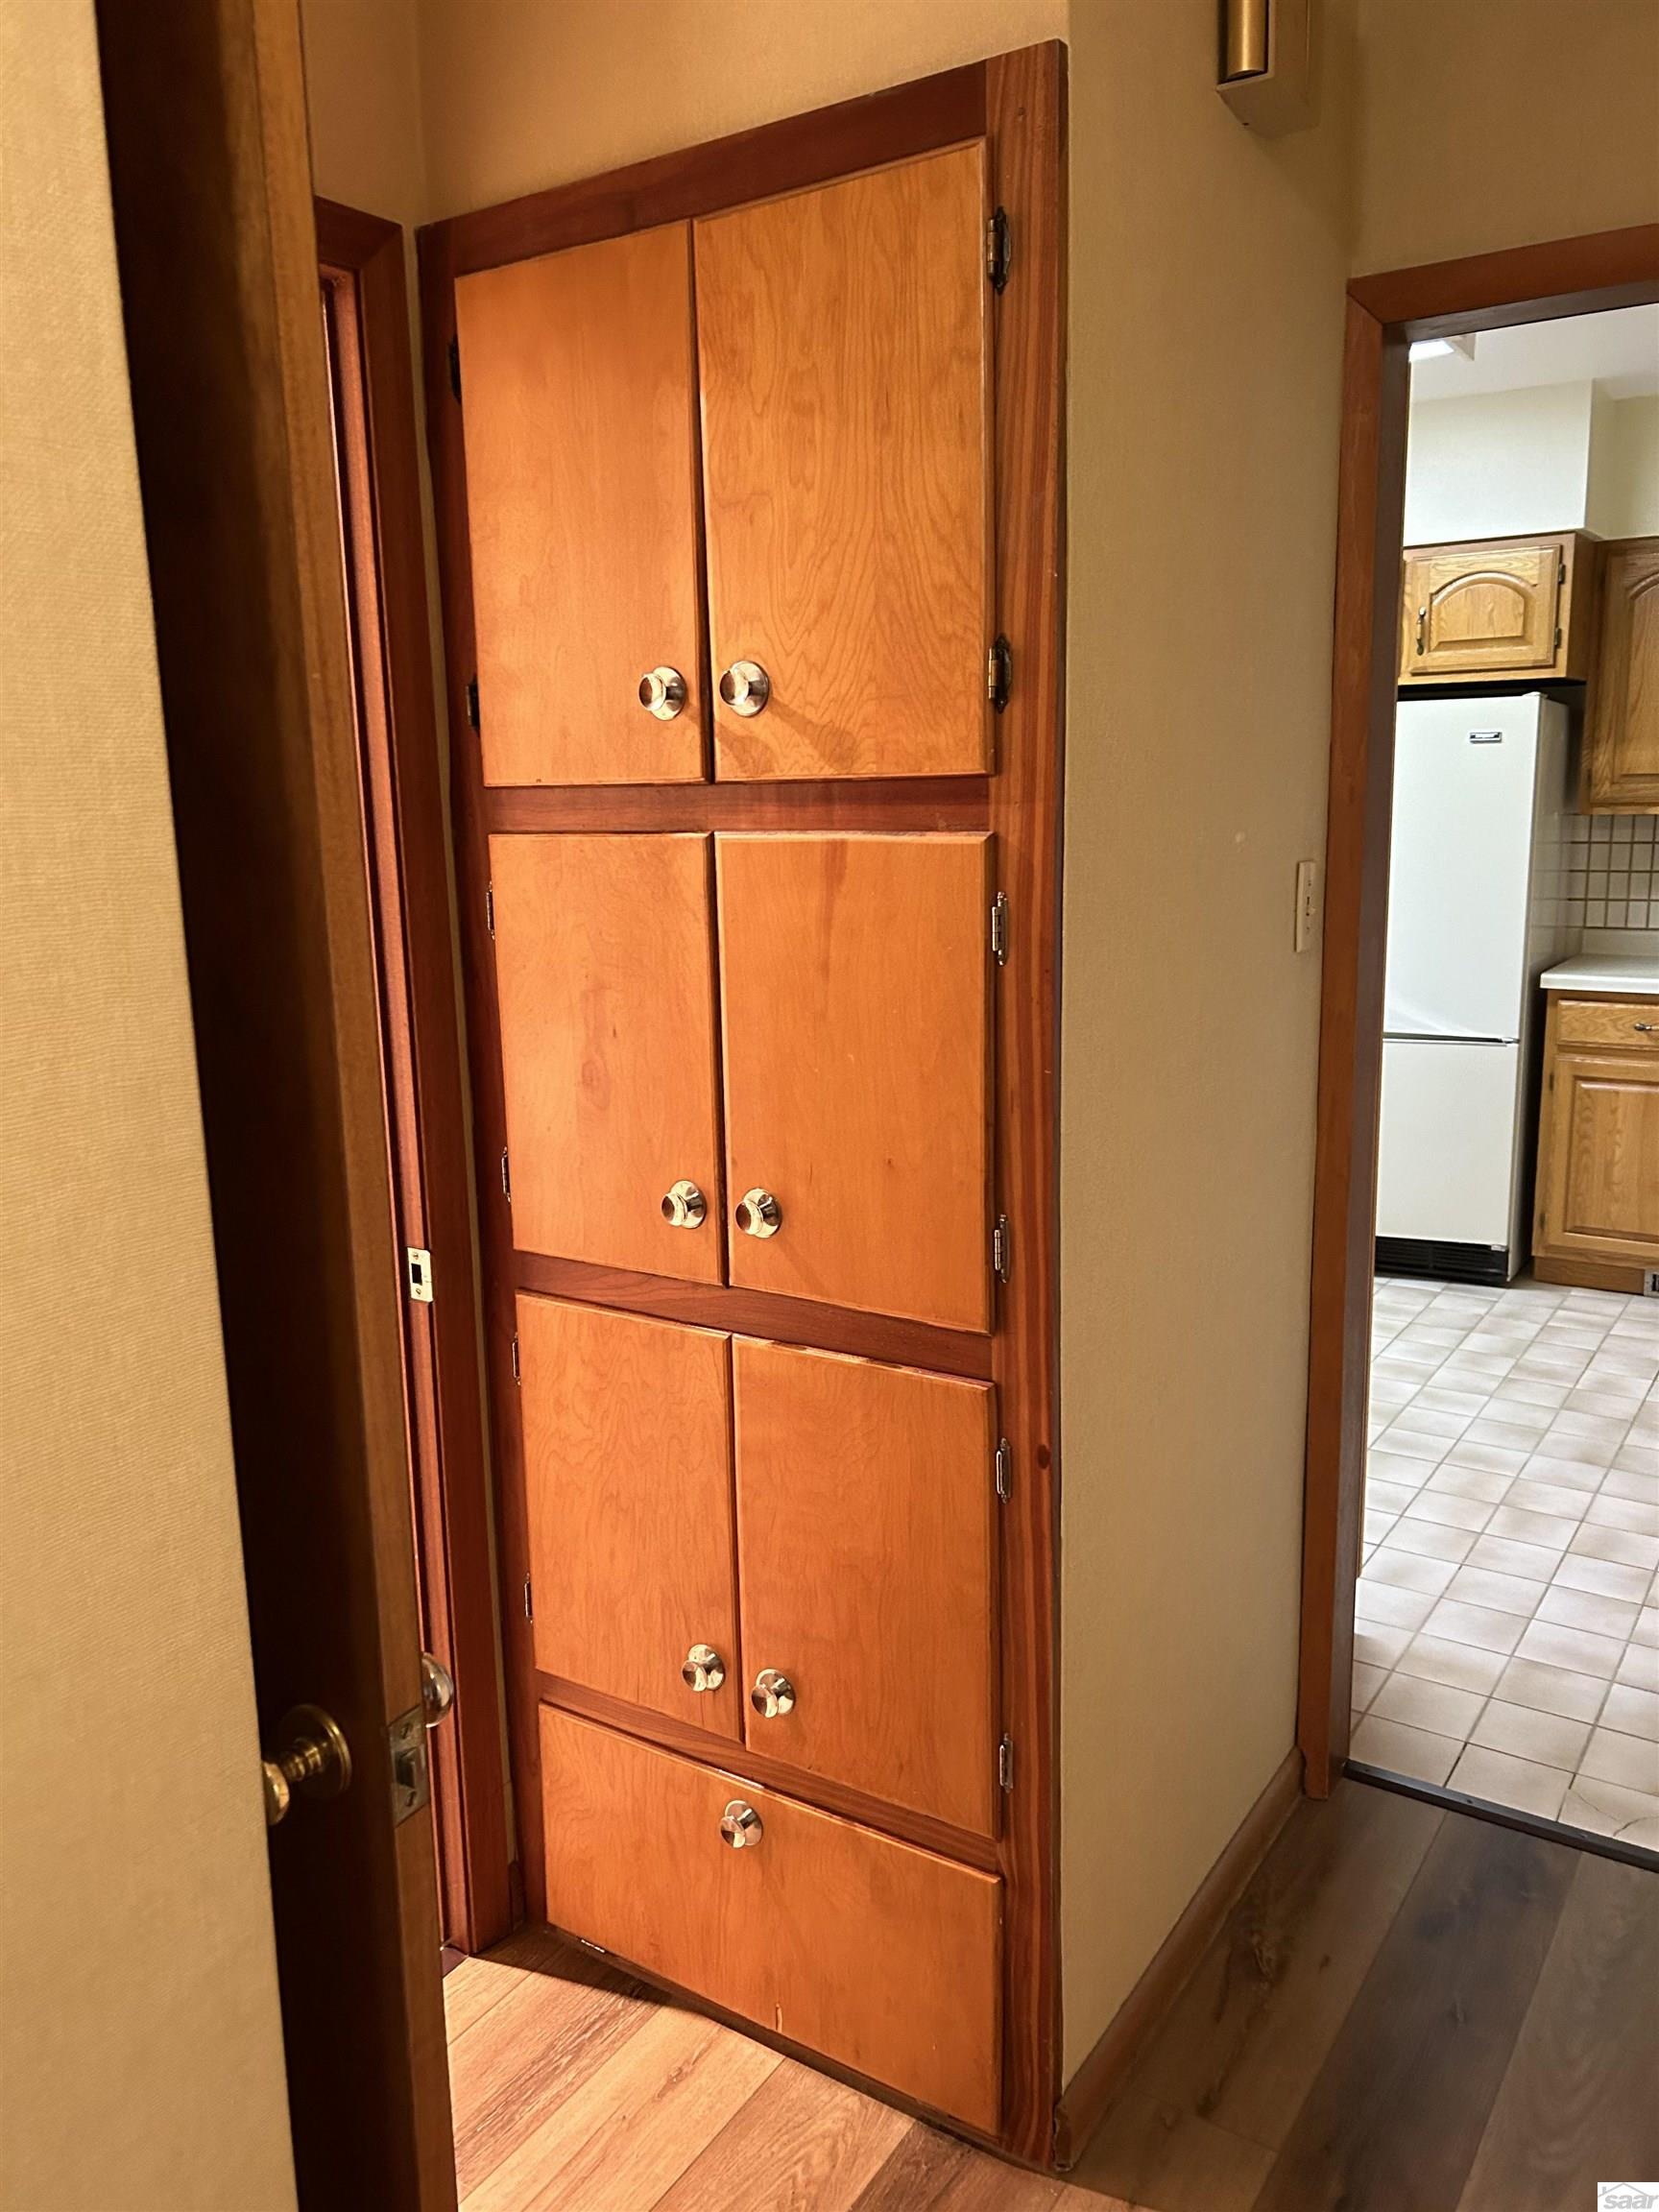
1266,74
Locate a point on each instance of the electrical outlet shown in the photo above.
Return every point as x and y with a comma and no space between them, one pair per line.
1307,903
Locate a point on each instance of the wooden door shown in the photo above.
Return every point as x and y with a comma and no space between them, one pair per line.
604,977
627,1475
855,1012
1598,1174
845,361
882,1956
578,416
884,1478
1480,608
1621,735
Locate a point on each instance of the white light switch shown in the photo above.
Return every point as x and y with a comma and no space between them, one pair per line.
1307,903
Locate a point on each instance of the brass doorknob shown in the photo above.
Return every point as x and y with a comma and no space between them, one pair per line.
759,1213
745,686
437,1689
684,1205
704,1668
316,1762
741,1826
663,692
773,1695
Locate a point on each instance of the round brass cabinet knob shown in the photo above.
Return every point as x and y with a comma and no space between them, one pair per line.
740,1826
704,1668
745,686
684,1205
437,1689
759,1213
773,1695
663,692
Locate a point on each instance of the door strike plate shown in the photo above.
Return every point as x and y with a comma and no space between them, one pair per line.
411,1776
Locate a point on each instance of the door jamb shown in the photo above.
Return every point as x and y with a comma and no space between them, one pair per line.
361,261
1385,312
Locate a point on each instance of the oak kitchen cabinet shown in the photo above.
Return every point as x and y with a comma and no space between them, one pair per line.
1597,1196
1622,711
1499,608
746,468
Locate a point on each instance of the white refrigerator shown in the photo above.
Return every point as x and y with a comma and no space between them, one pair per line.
1478,843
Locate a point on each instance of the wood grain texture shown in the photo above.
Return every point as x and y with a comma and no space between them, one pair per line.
1481,611
847,485
579,406
1621,711
604,974
1586,274
898,803
1598,1156
854,1012
800,2141
881,1477
881,1956
628,1468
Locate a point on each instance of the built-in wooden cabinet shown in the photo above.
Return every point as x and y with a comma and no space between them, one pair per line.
1498,611
1597,1193
1622,711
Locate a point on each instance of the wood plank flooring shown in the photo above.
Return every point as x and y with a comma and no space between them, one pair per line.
1408,2010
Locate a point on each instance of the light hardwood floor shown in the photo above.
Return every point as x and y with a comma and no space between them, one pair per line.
1408,2010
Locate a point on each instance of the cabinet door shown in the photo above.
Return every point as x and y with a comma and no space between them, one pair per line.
855,1004
1472,609
882,1478
843,339
578,419
882,1956
1622,740
604,976
1600,1172
627,1479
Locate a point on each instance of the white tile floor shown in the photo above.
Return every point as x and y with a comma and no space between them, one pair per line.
1507,1638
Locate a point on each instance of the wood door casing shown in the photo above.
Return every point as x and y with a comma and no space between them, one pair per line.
881,1956
881,1477
844,346
627,1477
578,419
1480,608
604,973
855,1004
1621,736
1598,1174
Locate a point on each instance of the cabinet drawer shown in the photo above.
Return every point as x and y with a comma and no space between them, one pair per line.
881,1957
1604,1021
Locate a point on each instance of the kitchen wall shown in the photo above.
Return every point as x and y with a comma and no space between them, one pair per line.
1499,462
1608,878
140,2042
1623,497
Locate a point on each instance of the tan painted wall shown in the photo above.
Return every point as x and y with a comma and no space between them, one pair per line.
363,90
140,2046
1491,123
1207,279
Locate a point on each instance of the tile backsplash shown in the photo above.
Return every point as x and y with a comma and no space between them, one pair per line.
1609,875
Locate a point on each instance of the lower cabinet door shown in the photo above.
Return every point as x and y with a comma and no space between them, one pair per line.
1598,1171
866,1505
627,1479
880,1956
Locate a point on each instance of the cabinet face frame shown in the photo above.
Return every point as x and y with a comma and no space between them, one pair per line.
1017,104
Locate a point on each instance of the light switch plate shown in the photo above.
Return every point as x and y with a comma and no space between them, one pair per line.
1307,903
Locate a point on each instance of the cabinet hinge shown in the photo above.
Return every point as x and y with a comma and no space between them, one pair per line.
1004,1459
1005,1764
517,1371
472,701
420,1266
455,366
999,673
999,250
1001,1243
1000,928
489,908
1558,637
528,1602
506,1180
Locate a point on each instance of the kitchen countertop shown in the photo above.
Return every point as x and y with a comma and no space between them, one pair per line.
1632,974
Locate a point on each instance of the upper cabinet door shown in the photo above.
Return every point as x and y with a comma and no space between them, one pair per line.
844,345
604,977
1469,610
1621,739
578,416
855,1010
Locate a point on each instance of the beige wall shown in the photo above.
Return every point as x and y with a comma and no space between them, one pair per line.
140,2051
1207,279
1623,495
1491,123
363,90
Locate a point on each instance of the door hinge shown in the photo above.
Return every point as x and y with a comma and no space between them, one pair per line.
528,1602
1005,1460
517,1372
1001,1241
419,1264
411,1776
1000,928
455,366
999,673
472,701
489,908
1005,1764
1650,1282
999,250
506,1180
